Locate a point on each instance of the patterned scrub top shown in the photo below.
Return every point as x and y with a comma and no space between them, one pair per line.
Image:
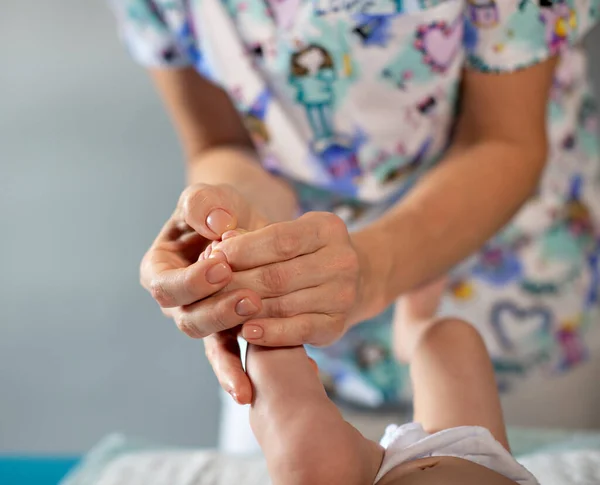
354,100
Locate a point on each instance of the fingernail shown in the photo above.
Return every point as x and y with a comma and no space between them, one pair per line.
220,221
252,332
245,307
218,273
234,396
207,251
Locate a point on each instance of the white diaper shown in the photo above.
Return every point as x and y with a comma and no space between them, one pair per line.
411,442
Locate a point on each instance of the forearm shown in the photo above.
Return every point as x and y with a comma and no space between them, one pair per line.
216,144
459,205
240,168
202,113
493,166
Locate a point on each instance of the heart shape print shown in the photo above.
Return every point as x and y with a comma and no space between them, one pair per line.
513,324
439,43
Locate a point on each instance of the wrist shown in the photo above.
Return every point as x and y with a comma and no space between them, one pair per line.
239,167
374,292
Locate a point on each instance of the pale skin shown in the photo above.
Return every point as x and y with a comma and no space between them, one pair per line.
491,168
306,441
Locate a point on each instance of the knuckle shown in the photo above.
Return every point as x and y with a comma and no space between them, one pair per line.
188,195
334,224
193,197
274,279
219,319
187,326
318,224
337,327
321,233
326,227
162,296
348,261
347,296
286,244
305,331
284,307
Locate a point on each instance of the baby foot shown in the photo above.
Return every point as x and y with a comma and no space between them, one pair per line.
207,251
213,246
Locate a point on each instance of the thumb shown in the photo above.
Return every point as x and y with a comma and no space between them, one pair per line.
211,210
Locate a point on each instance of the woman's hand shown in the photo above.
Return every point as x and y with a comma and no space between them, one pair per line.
310,276
171,271
314,281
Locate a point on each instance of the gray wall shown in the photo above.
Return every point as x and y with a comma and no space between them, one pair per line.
89,169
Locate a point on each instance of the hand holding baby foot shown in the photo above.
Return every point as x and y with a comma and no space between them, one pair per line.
293,283
179,280
222,348
307,273
187,286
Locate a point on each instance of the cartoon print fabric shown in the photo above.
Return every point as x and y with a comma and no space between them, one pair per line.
354,100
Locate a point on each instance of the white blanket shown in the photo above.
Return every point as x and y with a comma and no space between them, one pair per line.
117,460
578,467
183,468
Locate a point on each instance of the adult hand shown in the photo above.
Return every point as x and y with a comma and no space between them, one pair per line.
308,274
172,272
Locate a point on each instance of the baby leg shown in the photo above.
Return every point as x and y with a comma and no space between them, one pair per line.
413,315
453,380
303,436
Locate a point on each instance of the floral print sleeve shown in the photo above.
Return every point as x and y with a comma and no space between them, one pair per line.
507,35
158,33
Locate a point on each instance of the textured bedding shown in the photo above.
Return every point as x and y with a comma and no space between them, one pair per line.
559,457
578,467
554,457
118,460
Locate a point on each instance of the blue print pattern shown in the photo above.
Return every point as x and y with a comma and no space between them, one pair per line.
355,100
